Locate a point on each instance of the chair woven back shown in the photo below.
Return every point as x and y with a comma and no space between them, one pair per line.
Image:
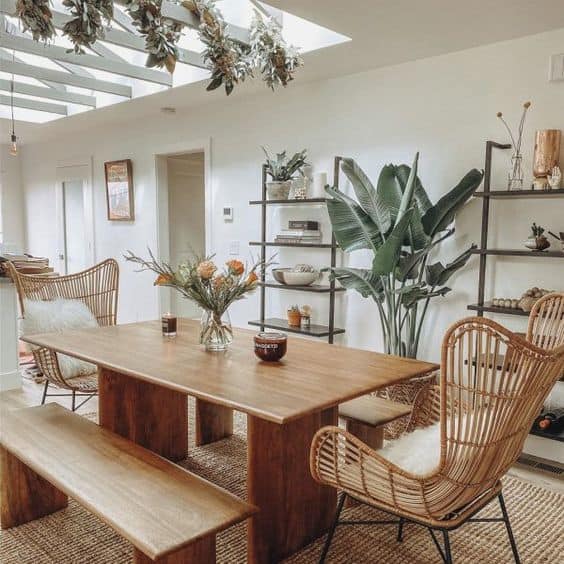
546,322
97,287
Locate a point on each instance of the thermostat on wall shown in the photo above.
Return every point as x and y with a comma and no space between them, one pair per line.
228,213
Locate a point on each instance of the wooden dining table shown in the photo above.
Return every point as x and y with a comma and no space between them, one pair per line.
145,380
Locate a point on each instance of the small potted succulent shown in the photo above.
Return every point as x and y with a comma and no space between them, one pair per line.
282,170
537,241
294,316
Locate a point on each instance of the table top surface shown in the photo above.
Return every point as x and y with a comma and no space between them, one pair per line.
312,376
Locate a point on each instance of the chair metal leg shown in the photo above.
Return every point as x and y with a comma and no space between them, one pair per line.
73,404
509,530
400,529
45,392
331,532
448,554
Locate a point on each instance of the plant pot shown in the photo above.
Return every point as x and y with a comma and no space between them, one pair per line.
537,243
294,318
216,332
278,190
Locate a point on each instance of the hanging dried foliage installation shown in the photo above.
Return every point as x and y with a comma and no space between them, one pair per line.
229,60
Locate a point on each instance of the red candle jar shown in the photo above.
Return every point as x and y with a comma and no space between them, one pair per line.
271,347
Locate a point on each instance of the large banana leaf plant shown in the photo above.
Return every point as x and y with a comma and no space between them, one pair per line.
402,228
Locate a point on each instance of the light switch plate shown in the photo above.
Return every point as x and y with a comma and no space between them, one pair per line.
227,213
556,67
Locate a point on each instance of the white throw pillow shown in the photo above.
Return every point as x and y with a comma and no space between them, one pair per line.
56,316
417,452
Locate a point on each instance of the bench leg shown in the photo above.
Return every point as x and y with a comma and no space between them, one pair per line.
372,436
213,422
24,495
200,552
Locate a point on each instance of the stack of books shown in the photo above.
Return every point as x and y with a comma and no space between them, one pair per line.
27,264
300,232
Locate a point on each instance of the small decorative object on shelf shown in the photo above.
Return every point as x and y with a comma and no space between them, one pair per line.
300,275
547,153
531,297
294,316
169,325
515,174
282,170
271,347
537,241
509,303
214,291
550,422
300,185
305,321
555,178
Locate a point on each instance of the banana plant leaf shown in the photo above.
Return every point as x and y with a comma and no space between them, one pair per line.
437,274
408,265
417,293
441,215
387,256
420,197
389,192
352,226
362,280
367,196
407,194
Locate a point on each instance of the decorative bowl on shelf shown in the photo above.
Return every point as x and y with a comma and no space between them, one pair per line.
290,277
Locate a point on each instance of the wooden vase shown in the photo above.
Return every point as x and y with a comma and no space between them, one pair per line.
547,152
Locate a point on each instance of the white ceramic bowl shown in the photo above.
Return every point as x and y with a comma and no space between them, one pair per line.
289,278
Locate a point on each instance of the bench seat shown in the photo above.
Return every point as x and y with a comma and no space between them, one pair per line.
48,453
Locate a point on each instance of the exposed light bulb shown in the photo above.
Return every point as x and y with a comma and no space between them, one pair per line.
14,145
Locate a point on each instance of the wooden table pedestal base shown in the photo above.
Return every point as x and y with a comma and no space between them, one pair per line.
213,422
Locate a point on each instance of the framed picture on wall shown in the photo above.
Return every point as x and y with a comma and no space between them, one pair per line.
119,190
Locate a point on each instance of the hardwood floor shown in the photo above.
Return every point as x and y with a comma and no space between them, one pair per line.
30,394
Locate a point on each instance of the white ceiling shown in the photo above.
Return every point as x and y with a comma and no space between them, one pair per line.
383,32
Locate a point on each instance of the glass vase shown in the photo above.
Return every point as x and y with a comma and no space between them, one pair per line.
216,332
515,173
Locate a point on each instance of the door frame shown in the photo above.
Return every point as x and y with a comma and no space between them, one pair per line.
76,168
161,182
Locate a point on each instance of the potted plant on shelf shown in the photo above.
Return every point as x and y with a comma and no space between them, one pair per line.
537,241
282,170
213,290
402,228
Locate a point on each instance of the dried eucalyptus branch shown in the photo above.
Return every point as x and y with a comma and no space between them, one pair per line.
228,60
161,35
276,60
36,17
86,26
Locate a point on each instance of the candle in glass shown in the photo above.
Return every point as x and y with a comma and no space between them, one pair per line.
169,325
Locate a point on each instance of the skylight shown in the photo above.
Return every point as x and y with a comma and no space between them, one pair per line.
305,35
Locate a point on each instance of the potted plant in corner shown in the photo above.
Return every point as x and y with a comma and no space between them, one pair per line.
403,229
282,170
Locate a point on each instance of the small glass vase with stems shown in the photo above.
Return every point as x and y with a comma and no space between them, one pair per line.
214,290
515,173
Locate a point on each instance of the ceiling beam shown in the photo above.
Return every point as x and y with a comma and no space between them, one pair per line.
57,53
49,93
41,73
36,105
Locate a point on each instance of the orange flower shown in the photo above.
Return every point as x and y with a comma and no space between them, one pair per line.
206,269
236,267
162,280
251,278
218,281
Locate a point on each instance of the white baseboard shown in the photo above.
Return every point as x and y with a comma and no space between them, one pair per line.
10,380
544,448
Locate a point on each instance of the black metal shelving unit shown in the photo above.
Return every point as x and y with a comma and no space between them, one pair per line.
321,331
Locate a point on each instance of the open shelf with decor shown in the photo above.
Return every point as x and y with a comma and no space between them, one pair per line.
331,289
484,251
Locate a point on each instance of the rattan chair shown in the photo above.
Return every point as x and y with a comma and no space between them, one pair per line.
485,411
546,321
97,287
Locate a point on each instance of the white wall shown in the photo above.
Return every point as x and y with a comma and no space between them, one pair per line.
12,226
444,107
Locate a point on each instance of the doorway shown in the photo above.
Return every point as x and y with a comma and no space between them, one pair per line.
185,175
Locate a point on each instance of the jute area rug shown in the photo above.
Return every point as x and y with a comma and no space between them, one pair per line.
75,536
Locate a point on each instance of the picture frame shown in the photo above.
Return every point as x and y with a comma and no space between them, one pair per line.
119,190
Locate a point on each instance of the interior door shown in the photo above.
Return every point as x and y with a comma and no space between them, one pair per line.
75,255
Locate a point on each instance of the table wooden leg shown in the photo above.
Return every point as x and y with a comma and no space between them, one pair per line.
294,509
372,436
152,416
213,422
24,495
200,552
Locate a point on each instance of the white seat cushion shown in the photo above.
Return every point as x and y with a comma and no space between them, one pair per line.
56,316
417,452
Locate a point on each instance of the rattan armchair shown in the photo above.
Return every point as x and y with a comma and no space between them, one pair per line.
546,321
97,287
484,410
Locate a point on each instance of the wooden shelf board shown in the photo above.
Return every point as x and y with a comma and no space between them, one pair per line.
287,202
282,325
519,253
519,194
315,288
495,309
302,245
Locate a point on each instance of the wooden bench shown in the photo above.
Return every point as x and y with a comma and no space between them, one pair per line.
169,515
366,416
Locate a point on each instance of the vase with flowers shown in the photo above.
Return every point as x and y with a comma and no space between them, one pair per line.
214,290
515,174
